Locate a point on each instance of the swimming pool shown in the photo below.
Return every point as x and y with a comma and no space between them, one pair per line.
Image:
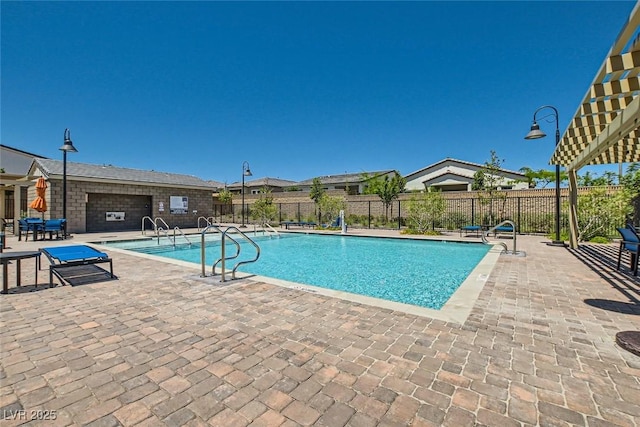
423,273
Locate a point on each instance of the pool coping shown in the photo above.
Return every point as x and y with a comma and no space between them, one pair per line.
456,309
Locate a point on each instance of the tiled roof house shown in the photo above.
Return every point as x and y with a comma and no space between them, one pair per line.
457,175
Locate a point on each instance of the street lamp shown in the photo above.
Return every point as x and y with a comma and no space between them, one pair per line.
245,172
536,133
66,147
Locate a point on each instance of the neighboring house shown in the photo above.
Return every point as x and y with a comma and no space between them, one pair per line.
217,185
255,186
14,166
351,183
108,198
457,175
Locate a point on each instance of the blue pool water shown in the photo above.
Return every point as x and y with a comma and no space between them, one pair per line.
418,272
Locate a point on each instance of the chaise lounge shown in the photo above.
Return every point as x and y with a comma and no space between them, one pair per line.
69,258
467,229
503,229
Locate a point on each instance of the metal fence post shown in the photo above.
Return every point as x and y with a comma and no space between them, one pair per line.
473,211
519,227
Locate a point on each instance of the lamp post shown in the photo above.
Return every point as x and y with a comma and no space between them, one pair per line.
245,172
536,133
66,147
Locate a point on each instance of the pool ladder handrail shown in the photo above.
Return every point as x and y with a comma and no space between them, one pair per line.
203,260
173,241
223,258
208,220
154,222
266,229
486,233
176,228
159,229
249,261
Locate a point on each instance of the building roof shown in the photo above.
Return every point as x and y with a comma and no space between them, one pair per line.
15,161
345,178
460,162
606,127
87,171
261,182
216,184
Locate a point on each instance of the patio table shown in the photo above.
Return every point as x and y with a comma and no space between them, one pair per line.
7,257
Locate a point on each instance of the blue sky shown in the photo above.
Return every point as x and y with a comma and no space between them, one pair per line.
297,89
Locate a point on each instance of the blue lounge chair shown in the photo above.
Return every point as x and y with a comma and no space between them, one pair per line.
630,243
288,224
62,257
470,228
503,229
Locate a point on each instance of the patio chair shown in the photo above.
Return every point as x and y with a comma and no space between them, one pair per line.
68,257
7,223
25,226
630,243
30,225
54,225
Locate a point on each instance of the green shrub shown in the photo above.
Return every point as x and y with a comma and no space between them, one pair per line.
596,210
421,233
425,211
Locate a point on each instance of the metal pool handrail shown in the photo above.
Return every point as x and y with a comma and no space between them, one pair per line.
255,245
223,258
504,245
266,228
208,221
152,223
203,260
176,228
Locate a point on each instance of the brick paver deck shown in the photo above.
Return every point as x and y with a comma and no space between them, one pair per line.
161,346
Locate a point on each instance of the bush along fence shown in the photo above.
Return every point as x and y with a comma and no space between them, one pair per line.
532,214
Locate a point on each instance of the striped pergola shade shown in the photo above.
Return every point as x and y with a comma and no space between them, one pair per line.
606,127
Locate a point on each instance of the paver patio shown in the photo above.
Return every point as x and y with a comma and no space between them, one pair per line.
162,346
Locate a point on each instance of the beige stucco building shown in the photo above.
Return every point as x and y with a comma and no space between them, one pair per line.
457,175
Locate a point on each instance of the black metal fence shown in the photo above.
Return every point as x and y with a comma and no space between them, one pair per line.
531,214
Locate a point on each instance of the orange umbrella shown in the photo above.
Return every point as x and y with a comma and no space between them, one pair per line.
39,203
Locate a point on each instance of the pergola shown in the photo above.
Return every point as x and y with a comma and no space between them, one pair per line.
606,127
